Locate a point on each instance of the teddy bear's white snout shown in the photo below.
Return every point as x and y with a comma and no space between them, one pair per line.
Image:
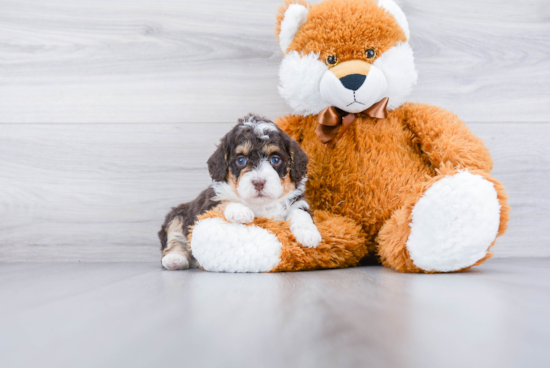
353,93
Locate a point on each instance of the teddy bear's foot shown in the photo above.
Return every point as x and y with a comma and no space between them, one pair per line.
449,228
454,223
221,246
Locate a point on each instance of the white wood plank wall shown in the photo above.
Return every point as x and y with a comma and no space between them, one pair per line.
109,110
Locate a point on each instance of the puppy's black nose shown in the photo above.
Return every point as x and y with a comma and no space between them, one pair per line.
258,184
353,81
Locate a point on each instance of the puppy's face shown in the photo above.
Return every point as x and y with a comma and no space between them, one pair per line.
259,161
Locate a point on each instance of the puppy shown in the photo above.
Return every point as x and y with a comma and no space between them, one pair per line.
257,171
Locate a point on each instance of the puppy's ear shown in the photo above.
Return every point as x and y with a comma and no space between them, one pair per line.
299,161
217,163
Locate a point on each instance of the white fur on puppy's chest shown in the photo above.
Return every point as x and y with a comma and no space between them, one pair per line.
454,223
221,246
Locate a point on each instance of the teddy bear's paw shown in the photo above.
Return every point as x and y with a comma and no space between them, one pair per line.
454,223
308,236
238,213
222,246
175,261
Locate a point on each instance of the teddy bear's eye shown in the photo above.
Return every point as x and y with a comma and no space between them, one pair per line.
332,60
370,53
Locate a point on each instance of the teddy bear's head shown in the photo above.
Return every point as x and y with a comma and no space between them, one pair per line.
349,54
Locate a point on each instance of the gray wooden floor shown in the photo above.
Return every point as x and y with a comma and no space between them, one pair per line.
137,315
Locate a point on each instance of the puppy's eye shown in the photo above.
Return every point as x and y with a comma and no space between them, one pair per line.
332,60
275,160
241,161
370,53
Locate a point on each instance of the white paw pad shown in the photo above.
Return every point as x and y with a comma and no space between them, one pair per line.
175,261
221,246
238,213
454,223
308,236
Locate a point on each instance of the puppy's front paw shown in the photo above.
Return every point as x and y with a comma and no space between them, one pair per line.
175,261
237,213
308,236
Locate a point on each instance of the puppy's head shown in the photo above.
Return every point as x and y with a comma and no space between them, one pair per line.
259,161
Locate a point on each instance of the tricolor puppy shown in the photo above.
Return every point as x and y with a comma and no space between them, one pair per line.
257,171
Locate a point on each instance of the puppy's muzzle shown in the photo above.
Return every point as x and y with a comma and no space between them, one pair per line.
259,184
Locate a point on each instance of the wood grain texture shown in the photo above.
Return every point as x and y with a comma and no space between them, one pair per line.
121,61
70,190
95,192
92,191
137,315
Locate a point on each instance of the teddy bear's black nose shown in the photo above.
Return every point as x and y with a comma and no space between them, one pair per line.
353,81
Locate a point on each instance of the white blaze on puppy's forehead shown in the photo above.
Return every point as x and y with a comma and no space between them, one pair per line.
260,128
391,7
295,17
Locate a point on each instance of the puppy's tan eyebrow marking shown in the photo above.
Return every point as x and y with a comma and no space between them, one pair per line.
244,148
271,148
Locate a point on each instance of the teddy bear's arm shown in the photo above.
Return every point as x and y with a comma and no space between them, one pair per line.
445,139
291,125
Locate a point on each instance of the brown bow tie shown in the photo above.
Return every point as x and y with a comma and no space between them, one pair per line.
334,122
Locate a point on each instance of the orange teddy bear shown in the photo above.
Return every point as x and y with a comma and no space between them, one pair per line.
406,182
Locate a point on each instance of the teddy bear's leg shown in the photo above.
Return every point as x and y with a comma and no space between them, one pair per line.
270,246
222,246
446,224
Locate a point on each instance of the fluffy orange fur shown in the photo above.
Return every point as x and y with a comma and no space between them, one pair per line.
281,13
393,236
342,244
324,31
379,169
364,186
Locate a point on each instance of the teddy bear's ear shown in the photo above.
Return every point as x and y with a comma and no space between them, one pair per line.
292,15
391,7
